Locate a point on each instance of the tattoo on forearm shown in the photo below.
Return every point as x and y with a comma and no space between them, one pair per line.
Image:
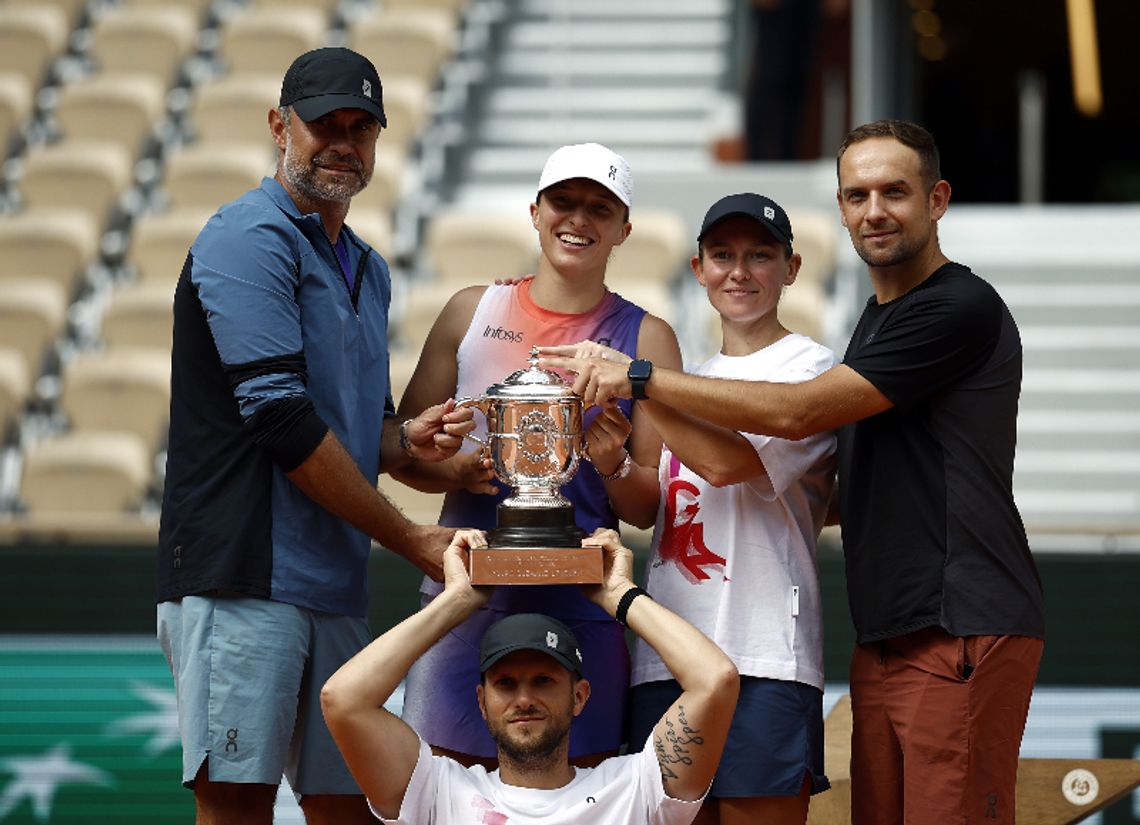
676,746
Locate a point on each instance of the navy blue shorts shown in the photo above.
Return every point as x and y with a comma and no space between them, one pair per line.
775,739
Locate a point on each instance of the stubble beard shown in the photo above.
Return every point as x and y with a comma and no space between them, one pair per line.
905,250
305,178
533,752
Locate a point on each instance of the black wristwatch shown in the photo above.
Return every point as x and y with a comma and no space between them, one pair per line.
639,372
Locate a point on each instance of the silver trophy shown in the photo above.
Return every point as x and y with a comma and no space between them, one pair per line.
535,442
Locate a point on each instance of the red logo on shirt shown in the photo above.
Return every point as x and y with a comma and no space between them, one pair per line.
683,539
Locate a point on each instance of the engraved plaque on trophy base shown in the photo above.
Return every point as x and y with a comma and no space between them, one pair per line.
536,546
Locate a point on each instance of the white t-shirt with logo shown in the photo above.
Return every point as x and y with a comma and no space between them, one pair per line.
739,561
622,790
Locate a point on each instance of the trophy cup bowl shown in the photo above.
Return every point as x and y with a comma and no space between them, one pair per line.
535,442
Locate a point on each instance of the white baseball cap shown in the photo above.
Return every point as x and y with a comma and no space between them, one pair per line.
593,162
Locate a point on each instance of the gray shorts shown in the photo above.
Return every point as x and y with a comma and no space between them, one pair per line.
248,674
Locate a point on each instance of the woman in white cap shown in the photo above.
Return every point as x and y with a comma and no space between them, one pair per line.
484,333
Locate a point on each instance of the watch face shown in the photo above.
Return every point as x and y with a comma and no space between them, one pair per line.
640,369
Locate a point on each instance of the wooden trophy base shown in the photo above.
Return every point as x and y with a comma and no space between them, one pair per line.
536,565
536,546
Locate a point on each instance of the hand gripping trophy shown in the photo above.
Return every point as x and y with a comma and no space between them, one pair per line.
535,441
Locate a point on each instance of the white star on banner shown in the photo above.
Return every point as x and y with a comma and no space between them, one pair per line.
161,722
37,778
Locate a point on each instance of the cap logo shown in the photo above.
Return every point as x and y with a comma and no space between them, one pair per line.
613,173
769,213
552,639
367,87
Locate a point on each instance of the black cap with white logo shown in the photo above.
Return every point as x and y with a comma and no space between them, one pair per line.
763,209
332,78
530,631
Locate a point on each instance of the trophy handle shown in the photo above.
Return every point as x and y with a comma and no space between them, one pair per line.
481,405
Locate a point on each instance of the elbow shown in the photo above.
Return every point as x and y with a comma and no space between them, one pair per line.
332,704
724,680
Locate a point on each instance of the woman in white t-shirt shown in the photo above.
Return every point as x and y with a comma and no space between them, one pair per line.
736,519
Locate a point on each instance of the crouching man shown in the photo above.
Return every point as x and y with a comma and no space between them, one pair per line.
531,688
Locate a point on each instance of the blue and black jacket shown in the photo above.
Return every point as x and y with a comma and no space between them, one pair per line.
271,351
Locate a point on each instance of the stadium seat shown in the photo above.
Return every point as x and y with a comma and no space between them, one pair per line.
153,40
32,312
384,190
465,247
160,241
266,40
656,250
53,244
422,508
85,472
235,108
116,106
409,41
30,38
816,234
373,227
803,308
72,9
15,384
85,174
120,390
406,107
139,316
15,106
324,6
206,175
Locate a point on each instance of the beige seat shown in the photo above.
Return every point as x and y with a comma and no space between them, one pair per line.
235,108
267,40
120,107
324,6
121,390
817,232
72,9
85,174
406,108
160,242
373,227
53,244
15,106
30,38
152,40
657,249
207,175
414,41
139,315
15,384
803,308
197,7
85,472
465,247
384,190
32,312
422,508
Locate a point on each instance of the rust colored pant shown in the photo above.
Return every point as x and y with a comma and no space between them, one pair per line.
937,722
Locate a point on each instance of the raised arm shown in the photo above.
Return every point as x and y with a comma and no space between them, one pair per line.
794,411
379,748
434,382
690,737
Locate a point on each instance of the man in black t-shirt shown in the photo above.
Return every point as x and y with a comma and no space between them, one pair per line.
944,594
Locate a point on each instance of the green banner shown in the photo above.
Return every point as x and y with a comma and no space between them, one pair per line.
88,733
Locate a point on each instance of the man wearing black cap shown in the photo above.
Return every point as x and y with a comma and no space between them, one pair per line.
531,688
281,419
945,597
